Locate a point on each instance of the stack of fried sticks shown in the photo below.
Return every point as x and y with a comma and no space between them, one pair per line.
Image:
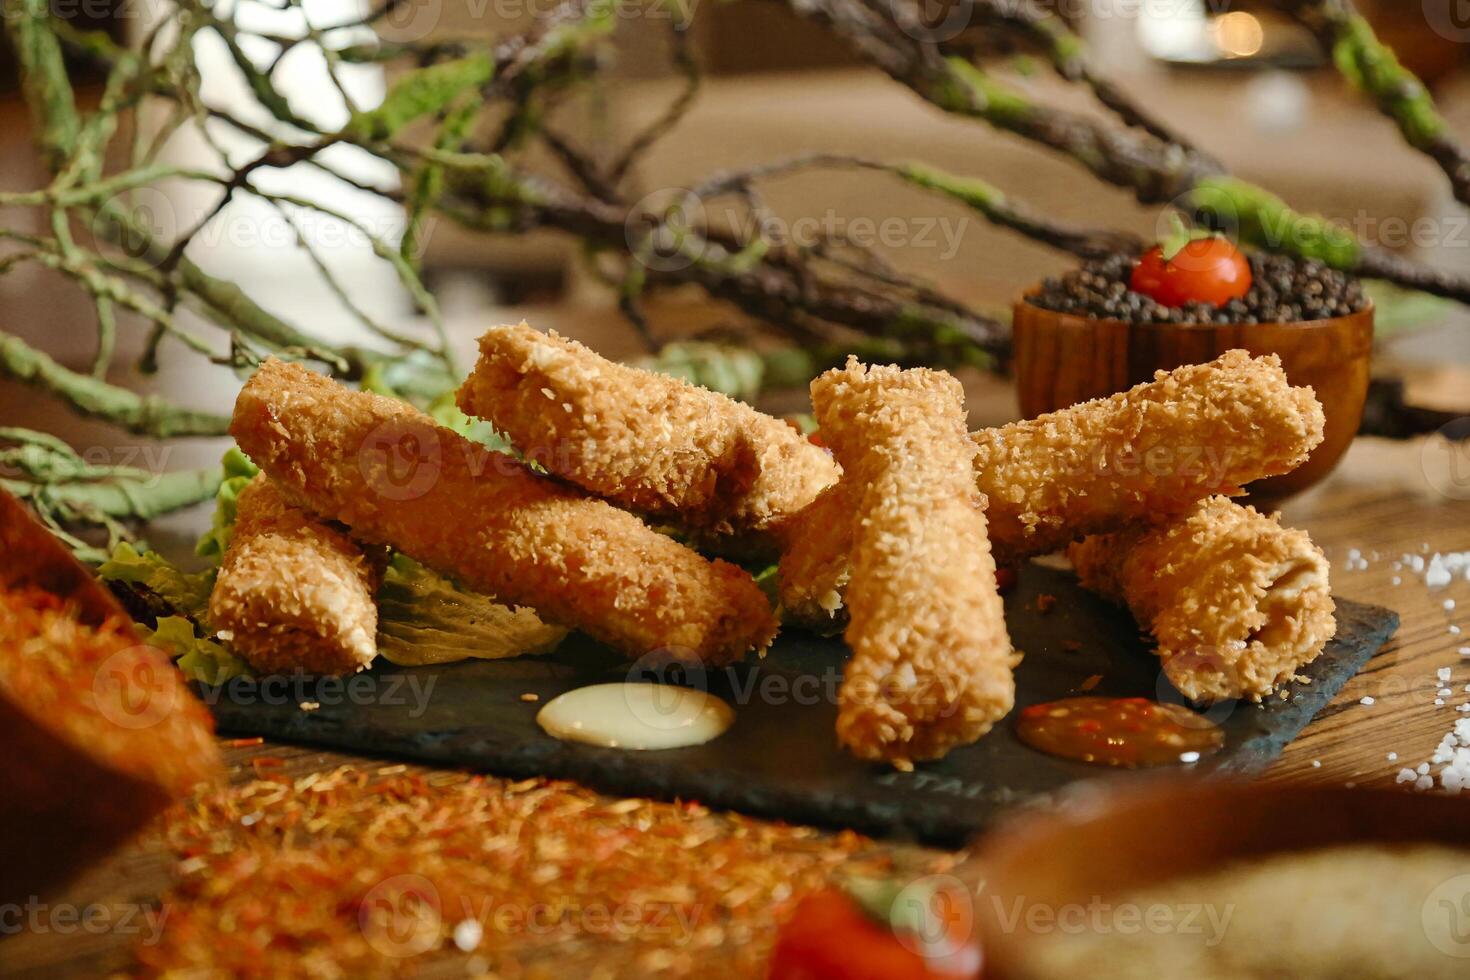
898,530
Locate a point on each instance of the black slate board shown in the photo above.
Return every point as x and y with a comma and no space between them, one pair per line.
780,758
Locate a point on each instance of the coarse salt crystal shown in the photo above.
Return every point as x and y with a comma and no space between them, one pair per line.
1422,768
1443,673
1449,603
1366,700
1393,757
1397,580
1316,763
467,935
1423,783
1405,776
1454,631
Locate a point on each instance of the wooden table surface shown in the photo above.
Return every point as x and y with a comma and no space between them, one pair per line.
1382,503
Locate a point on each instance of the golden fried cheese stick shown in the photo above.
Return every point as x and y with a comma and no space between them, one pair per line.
931,664
1101,466
394,477
653,444
292,592
1236,601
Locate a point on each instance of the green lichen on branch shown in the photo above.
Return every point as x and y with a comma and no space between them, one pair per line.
428,182
979,194
1374,69
1262,219
44,79
92,397
990,201
421,93
968,90
121,497
70,492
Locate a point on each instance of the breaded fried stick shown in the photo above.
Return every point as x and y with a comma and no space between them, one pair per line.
396,478
1101,466
294,593
1236,601
653,444
931,664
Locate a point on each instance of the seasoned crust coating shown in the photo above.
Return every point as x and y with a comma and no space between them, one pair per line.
1155,449
817,563
292,592
394,477
1102,466
931,665
1236,601
653,444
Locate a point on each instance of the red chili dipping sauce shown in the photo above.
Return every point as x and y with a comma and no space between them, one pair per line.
1125,732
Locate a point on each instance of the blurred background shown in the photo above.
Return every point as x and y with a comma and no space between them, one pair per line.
1242,82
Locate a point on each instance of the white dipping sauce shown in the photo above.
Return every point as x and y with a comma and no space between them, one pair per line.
640,717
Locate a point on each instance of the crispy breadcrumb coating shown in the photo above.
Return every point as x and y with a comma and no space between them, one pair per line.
653,444
931,665
294,593
817,563
394,477
1236,601
1155,449
1101,466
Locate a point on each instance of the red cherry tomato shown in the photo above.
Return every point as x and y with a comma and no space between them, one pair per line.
1205,270
830,937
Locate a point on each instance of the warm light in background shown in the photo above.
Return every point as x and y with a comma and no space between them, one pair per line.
1237,34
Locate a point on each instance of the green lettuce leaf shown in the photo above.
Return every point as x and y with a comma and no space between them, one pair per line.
185,592
424,618
239,471
199,658
395,380
186,596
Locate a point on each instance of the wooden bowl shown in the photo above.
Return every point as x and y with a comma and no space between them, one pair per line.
1062,359
1167,828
